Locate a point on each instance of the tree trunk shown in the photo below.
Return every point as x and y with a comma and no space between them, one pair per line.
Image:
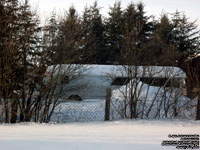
198,107
131,107
6,110
135,108
14,108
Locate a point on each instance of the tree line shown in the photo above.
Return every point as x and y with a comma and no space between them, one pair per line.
126,37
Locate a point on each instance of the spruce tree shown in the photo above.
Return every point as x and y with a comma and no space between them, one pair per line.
19,55
94,31
186,36
179,39
137,30
114,26
8,53
29,51
69,37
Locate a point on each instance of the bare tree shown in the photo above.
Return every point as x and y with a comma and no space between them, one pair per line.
61,49
193,80
157,92
27,92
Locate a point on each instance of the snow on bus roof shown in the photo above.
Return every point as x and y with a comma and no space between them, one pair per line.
119,70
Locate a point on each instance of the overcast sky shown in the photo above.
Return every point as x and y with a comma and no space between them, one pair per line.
153,7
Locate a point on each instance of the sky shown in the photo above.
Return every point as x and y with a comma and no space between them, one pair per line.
191,8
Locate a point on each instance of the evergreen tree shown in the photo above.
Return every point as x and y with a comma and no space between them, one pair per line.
137,30
179,33
136,21
186,37
50,40
161,50
69,38
94,31
179,39
20,52
29,52
164,29
8,53
114,25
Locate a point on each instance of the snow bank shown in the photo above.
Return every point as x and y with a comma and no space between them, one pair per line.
121,135
152,101
144,91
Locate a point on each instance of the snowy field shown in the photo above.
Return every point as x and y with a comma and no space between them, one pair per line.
120,135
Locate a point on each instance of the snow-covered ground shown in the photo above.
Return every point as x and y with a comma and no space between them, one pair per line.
120,135
79,111
153,102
